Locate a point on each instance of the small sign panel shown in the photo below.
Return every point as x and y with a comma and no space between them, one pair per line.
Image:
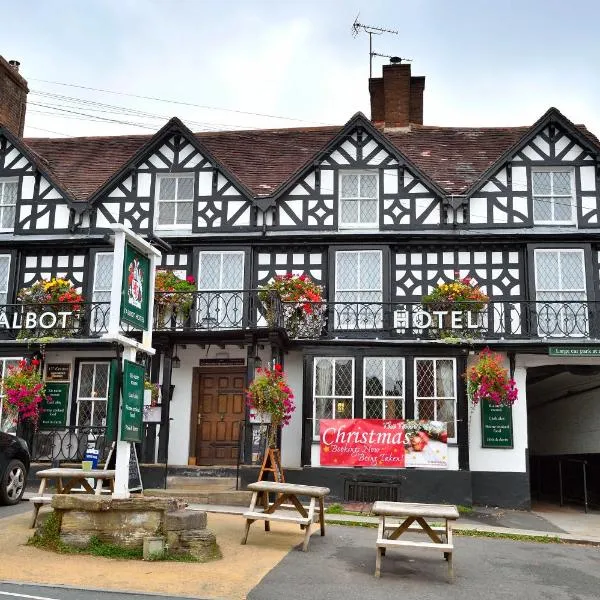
135,289
574,350
58,372
496,425
133,402
54,406
221,362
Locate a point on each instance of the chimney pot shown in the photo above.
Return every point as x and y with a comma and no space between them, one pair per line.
15,64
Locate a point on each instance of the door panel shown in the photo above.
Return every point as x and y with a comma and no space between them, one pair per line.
221,402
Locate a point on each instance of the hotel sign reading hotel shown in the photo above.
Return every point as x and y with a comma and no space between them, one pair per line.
440,319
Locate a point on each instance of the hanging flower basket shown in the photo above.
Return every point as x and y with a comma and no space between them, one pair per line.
269,395
24,391
461,295
294,302
173,297
488,381
47,299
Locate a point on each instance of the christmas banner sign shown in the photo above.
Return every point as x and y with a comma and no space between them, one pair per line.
383,443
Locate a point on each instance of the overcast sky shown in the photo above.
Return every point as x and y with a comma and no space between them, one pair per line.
487,62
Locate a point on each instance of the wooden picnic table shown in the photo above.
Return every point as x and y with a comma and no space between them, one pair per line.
66,481
287,506
405,515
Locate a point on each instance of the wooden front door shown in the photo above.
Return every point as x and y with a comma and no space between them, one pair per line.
220,412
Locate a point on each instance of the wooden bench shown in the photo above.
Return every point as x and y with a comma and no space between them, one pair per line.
408,513
289,507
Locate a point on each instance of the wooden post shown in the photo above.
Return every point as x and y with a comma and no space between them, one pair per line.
272,464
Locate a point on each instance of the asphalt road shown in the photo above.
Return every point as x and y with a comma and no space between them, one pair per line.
10,591
341,565
9,511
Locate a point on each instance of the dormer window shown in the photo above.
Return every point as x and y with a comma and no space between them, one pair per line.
8,203
359,200
175,201
553,196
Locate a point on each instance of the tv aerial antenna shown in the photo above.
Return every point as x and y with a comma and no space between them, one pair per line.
371,31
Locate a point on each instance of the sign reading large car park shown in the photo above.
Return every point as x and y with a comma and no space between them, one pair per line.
574,351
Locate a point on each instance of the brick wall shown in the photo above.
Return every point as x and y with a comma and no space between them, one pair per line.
13,98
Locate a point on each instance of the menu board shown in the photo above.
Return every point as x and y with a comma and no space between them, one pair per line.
496,425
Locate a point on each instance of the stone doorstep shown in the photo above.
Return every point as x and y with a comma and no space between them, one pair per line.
235,498
201,484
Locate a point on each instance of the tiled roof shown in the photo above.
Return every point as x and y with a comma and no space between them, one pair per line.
262,160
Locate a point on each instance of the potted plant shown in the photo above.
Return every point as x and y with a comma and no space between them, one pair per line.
300,301
51,296
462,295
173,296
488,381
270,398
24,391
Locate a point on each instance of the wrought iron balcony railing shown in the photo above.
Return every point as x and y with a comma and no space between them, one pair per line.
68,444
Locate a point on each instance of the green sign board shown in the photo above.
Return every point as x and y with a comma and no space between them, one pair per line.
133,402
496,426
135,289
574,350
113,391
54,406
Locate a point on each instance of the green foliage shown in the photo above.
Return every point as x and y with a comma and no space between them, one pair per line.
460,294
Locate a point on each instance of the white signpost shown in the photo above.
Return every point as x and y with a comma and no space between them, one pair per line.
131,302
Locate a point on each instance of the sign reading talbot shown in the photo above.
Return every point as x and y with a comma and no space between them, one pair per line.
32,320
440,319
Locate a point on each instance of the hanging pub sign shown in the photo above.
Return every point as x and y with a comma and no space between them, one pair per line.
391,443
496,425
58,372
135,289
133,402
53,412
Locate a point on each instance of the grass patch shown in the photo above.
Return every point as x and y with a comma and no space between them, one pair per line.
335,509
464,510
542,539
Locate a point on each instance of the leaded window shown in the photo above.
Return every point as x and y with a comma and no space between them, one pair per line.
8,414
359,200
8,203
175,201
358,290
383,388
221,282
435,391
553,195
333,390
101,290
560,289
4,276
92,394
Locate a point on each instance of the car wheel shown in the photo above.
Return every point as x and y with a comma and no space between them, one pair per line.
12,486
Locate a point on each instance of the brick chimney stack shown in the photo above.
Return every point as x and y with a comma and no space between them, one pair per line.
13,96
397,97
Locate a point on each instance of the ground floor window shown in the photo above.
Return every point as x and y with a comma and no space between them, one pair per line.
92,394
383,388
8,415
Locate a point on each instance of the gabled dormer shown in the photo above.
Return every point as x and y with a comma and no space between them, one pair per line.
549,179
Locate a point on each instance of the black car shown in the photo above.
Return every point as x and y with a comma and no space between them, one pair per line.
14,466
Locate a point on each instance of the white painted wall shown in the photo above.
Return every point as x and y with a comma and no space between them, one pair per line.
291,436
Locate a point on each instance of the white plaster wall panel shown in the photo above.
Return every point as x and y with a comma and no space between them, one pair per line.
490,186
61,216
350,149
326,181
157,162
390,181
519,179
542,144
101,220
520,205
12,155
588,178
167,152
573,153
589,205
478,210
117,193
144,182
561,144
369,147
194,161
24,212
339,158
299,190
43,222
231,191
502,177
498,215
532,153
294,207
205,183
185,151
27,185
291,435
378,158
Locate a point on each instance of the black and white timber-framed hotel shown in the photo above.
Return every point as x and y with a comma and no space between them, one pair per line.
378,211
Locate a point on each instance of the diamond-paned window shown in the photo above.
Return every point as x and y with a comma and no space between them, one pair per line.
435,391
560,289
8,414
221,281
8,203
553,196
333,390
92,394
383,388
358,290
175,201
103,271
359,200
4,276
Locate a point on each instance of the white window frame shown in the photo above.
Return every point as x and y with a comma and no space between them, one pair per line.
157,201
221,253
95,291
93,399
358,199
3,361
384,397
554,198
334,396
4,285
537,252
435,398
3,181
338,314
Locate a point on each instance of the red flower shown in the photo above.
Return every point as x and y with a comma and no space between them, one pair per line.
278,368
190,279
35,362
